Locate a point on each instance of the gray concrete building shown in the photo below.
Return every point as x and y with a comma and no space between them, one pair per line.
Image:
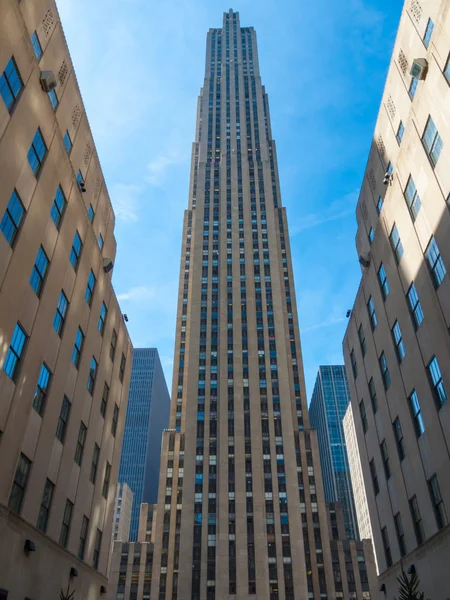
65,354
397,345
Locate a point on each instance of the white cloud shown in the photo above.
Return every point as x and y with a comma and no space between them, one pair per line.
124,198
138,294
323,324
175,153
338,209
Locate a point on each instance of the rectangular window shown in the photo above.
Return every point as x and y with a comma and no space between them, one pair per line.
382,280
92,376
413,87
415,306
115,420
417,520
60,315
39,272
373,473
63,420
396,244
80,181
354,364
446,72
384,371
398,342
104,403
416,413
438,503
94,464
386,546
15,351
373,396
102,319
10,84
40,394
412,198
100,241
97,546
53,99
398,434
19,484
435,263
90,288
122,367
67,142
400,534
58,207
46,503
76,251
91,213
428,33
106,480
37,153
112,348
79,450
400,133
12,219
362,412
372,314
37,48
432,142
385,459
78,347
83,537
379,204
439,392
65,526
362,340
371,235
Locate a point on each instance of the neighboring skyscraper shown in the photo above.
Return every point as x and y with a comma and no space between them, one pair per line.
123,506
327,409
397,344
65,354
147,417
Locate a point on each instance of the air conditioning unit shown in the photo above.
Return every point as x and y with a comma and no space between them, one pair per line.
387,178
364,259
419,68
48,81
81,185
107,265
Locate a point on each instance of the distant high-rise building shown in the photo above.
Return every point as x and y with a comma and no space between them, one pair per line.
397,344
329,402
147,417
123,507
65,353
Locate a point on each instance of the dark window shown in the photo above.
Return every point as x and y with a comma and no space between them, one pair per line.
362,340
373,473
428,33
46,503
102,318
398,342
83,537
112,348
58,207
416,414
65,526
19,484
94,464
384,371
398,433
60,315
386,546
10,84
90,288
91,213
12,219
400,534
15,351
80,181
97,546
92,376
372,314
39,272
37,153
106,480
382,280
76,354
435,263
63,419
396,243
37,48
438,503
122,367
40,394
362,411
415,306
417,520
412,199
76,251
114,420
105,396
439,392
67,142
432,142
385,459
354,365
373,395
80,443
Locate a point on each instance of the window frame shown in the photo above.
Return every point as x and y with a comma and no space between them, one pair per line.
19,484
396,243
63,420
400,534
67,138
383,281
75,252
92,376
66,524
113,345
15,352
413,85
363,415
37,48
94,463
46,505
106,480
438,503
386,546
416,414
385,459
123,362
91,213
105,397
354,363
399,438
8,223
57,212
82,542
412,198
90,288
115,420
374,477
81,441
435,263
400,132
416,311
372,313
385,375
97,549
60,313
102,319
41,393
35,152
399,344
417,520
54,100
6,78
39,271
373,395
362,340
436,381
436,142
428,33
78,348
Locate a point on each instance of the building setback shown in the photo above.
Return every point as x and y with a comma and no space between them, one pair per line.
329,402
397,346
147,417
65,354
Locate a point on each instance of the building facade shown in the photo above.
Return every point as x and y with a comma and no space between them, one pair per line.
397,347
123,506
147,416
65,354
329,402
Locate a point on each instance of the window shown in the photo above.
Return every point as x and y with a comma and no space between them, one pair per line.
372,314
398,434
413,87
417,520
39,271
79,450
446,71
434,372
354,365
362,340
400,132
416,413
122,367
102,318
40,394
46,503
90,288
65,526
373,473
371,235
37,153
12,219
362,412
112,348
428,33
115,420
400,534
80,181
67,142
53,99
60,315
76,251
91,213
386,546
19,484
435,263
83,537
63,420
412,199
373,395
14,354
385,459
76,354
382,280
379,204
97,546
398,342
100,241
384,371
438,503
104,403
414,305
396,243
106,480
36,46
432,142
94,464
58,207
92,376
10,84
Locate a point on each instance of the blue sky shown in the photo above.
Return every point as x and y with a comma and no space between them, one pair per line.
140,65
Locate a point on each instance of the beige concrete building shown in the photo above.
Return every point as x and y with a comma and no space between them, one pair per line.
65,354
397,345
122,513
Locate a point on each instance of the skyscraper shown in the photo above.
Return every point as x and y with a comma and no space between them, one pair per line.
147,416
329,402
241,508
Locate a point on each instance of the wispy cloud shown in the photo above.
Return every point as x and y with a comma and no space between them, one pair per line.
124,198
138,294
323,324
339,209
174,153
152,296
